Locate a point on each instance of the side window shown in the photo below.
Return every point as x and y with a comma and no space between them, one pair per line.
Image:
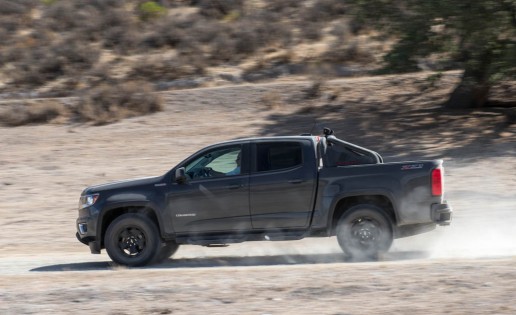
278,155
227,162
339,155
216,163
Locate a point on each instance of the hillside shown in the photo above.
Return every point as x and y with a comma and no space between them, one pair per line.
56,48
112,56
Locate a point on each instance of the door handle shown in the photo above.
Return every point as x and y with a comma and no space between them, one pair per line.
235,186
296,181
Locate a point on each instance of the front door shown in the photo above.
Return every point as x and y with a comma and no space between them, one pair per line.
216,196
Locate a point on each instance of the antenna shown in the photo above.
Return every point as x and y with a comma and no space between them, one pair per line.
313,127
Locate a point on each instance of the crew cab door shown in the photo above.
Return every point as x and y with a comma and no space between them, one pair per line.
282,184
214,201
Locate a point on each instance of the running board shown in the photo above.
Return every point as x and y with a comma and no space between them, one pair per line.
220,240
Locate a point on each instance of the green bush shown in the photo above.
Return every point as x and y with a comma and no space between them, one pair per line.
150,10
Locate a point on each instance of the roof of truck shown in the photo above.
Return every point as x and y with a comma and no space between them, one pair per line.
271,138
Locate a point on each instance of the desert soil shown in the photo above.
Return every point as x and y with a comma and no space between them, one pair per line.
465,268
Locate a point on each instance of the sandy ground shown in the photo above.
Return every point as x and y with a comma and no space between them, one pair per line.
466,268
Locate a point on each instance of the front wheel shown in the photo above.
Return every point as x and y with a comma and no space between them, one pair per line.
132,240
166,251
364,231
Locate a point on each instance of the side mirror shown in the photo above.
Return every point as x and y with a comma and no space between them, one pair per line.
181,176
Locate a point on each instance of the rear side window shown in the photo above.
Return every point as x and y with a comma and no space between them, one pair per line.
340,155
278,155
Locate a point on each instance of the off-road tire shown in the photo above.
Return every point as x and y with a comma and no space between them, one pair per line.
364,232
132,240
166,251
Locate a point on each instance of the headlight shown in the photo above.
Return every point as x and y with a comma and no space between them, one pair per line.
88,200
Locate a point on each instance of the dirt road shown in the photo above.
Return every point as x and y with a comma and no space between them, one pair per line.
467,268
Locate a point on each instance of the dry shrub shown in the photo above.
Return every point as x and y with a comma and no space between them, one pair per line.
62,16
260,31
269,67
283,6
86,20
109,103
323,11
10,24
243,38
170,37
311,30
315,89
218,9
121,39
118,31
168,69
43,63
343,51
166,32
4,38
18,7
204,31
25,113
271,100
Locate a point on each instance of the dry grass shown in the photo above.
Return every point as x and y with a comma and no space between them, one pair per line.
272,101
108,103
31,112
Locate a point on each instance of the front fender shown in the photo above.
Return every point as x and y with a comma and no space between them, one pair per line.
115,203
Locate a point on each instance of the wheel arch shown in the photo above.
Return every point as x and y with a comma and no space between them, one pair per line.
342,205
112,212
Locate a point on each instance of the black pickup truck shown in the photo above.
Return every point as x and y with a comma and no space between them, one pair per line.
272,188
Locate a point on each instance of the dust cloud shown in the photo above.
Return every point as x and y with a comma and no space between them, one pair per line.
483,196
465,238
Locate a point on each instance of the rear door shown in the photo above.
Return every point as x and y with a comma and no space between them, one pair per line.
282,184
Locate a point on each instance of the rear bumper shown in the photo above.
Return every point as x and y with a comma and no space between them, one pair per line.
441,213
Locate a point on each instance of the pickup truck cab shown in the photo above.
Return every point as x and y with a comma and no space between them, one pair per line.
271,188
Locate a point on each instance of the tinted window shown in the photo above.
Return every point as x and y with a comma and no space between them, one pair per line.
340,155
218,162
278,155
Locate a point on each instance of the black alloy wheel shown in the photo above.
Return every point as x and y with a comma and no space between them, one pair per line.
132,240
364,232
166,251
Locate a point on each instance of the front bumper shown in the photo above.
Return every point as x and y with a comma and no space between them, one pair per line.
441,213
86,225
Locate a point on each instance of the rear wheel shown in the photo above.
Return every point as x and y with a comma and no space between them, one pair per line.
364,231
132,240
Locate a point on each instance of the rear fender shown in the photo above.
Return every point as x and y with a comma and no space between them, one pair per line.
382,198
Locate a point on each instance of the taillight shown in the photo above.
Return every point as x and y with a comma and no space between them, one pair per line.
437,182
